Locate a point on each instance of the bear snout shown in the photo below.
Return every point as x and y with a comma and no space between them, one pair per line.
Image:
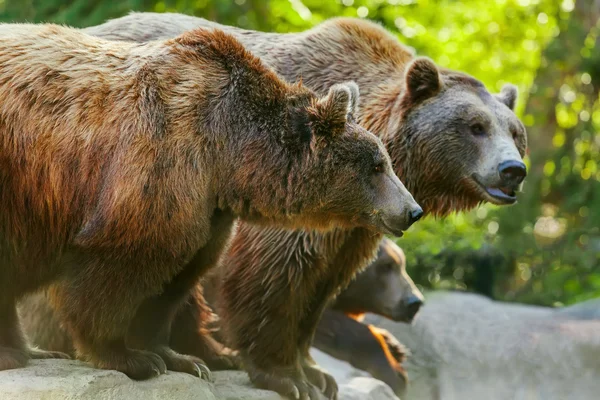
406,309
397,223
512,172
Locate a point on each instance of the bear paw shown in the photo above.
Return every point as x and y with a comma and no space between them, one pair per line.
321,379
136,364
12,358
288,383
183,363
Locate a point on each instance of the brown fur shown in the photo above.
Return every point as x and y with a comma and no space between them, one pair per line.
123,166
424,114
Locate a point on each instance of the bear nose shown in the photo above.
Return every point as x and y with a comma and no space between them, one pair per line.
415,215
413,305
512,171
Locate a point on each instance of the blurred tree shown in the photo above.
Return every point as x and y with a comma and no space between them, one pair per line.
559,214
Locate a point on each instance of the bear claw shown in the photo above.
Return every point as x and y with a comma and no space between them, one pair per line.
293,384
204,372
42,354
136,364
183,363
319,378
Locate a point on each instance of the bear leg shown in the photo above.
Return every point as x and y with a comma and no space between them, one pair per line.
308,327
265,332
151,327
359,248
97,298
99,336
42,326
318,377
14,351
190,335
13,347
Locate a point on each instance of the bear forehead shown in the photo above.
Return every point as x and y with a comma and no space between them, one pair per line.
468,102
389,251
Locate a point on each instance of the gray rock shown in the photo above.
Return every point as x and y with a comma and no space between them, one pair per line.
467,347
342,371
362,388
235,385
74,380
69,380
585,310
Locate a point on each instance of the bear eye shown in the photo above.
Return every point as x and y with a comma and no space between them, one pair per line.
388,268
477,129
378,168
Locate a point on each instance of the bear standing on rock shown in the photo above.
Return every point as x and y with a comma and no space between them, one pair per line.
123,167
453,143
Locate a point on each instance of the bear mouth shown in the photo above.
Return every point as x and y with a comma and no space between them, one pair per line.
398,315
390,231
500,195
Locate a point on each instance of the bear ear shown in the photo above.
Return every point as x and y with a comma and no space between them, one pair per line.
354,96
508,95
331,112
341,100
422,80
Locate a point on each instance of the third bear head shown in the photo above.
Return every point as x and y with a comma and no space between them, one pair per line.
348,170
468,142
383,288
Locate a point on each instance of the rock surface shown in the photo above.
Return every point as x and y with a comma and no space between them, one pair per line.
463,346
74,380
353,383
467,347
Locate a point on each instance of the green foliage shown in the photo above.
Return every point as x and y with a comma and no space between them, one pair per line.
544,250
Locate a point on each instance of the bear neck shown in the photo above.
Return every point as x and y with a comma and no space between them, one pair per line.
252,185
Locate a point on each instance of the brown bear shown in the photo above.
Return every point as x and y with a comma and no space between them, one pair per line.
453,143
383,288
124,167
